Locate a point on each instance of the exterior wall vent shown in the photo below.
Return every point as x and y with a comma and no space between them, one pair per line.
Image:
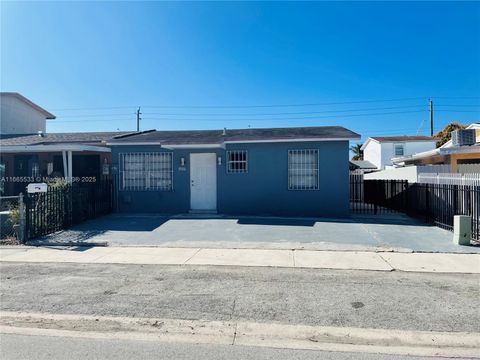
463,137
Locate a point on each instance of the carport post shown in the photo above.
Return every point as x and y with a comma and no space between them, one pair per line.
70,170
65,170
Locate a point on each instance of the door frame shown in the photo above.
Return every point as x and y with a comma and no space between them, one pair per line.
215,184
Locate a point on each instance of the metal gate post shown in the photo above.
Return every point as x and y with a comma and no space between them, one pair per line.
455,200
21,208
427,203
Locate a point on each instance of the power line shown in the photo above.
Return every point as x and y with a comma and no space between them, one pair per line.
455,97
95,115
258,114
469,111
277,105
92,120
268,114
285,113
464,105
238,106
265,105
295,118
94,108
247,119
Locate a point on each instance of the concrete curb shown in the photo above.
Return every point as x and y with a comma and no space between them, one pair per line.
382,341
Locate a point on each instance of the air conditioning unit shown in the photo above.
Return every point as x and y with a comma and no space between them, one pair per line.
463,137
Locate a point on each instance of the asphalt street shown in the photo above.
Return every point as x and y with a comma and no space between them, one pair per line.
340,298
20,347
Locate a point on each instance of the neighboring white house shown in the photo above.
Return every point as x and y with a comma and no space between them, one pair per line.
18,115
455,162
461,155
380,150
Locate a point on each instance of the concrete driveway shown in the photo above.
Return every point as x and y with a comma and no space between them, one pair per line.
369,233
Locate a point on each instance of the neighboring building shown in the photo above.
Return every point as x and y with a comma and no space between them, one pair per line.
19,116
32,158
28,154
282,171
450,161
459,155
362,166
380,150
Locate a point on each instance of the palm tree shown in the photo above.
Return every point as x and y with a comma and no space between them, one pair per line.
358,153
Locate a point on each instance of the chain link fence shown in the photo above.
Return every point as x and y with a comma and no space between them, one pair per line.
10,219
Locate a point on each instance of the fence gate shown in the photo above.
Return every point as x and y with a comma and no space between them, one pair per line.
61,207
377,196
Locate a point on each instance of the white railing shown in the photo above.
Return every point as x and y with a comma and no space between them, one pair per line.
451,179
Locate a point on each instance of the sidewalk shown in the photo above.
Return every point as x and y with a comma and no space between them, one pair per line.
342,260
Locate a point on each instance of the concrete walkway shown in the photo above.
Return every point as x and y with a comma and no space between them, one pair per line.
346,260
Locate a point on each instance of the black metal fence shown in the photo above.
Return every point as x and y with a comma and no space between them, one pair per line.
377,196
61,207
434,203
438,203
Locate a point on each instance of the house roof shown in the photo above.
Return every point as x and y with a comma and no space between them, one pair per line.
47,114
195,137
362,164
396,139
57,138
402,138
182,137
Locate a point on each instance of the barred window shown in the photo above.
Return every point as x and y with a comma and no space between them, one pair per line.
303,169
146,171
237,161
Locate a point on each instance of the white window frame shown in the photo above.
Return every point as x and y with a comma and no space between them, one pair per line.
395,149
303,170
154,171
231,162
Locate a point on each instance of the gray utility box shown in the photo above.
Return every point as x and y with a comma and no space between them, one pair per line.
462,229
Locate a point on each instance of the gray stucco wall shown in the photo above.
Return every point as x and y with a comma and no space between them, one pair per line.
261,191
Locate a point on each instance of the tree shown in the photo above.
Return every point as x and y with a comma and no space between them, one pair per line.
446,134
358,153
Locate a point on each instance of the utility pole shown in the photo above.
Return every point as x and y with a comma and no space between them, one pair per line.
431,116
138,118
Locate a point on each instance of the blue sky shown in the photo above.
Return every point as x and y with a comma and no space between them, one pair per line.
215,65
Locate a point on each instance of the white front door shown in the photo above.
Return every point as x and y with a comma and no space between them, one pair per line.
203,181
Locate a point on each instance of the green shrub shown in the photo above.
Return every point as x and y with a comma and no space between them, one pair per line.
14,215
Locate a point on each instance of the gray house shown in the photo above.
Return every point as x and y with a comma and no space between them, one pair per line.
280,171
